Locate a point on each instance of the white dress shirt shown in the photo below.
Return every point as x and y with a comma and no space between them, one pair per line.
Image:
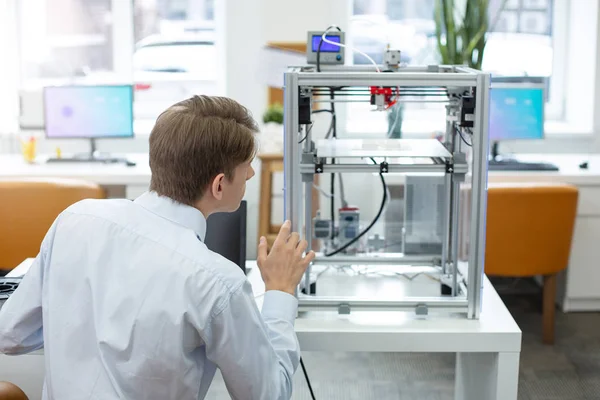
128,303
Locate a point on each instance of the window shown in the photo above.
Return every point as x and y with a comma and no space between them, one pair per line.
175,55
64,41
8,71
165,48
520,44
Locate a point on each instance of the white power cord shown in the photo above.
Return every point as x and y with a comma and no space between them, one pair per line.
342,192
348,47
322,191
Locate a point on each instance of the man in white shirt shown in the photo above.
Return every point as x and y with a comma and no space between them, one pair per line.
128,302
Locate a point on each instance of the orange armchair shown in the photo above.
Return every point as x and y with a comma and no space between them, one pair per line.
28,207
529,232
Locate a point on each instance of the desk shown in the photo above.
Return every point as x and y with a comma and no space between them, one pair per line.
135,180
488,349
578,286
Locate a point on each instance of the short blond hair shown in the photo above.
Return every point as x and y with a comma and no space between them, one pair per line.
195,140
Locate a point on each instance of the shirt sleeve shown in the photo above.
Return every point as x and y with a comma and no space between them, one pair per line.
21,315
257,354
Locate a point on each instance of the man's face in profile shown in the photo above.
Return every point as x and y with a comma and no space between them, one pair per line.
234,190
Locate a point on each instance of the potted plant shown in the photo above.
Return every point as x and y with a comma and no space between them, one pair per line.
274,114
272,132
461,33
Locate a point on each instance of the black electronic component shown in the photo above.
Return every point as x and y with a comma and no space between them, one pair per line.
304,110
313,288
384,167
467,111
321,228
446,290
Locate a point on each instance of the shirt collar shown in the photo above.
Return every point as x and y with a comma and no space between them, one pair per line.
176,212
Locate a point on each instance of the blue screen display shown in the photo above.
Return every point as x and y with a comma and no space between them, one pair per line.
516,113
326,47
88,111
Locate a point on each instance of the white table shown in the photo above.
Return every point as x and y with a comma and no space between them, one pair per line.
577,288
134,179
488,349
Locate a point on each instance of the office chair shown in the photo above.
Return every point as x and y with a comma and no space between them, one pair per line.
28,207
529,233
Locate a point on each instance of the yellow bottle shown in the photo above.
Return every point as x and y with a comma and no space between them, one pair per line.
28,149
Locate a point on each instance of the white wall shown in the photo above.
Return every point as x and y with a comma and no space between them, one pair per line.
8,72
289,20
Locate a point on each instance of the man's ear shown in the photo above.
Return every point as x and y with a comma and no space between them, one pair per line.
216,187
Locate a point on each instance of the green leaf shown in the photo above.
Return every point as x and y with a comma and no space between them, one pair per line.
439,24
461,37
448,9
274,114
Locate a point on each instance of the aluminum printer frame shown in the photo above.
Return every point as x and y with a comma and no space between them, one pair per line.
303,159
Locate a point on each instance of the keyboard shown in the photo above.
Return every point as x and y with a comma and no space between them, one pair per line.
83,160
7,287
513,165
91,160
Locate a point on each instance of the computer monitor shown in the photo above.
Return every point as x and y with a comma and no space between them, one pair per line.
516,112
226,235
89,112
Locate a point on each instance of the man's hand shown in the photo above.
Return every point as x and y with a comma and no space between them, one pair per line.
283,267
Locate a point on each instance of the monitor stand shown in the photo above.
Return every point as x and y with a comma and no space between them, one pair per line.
94,156
497,162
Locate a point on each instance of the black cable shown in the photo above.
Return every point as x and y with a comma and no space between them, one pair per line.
332,186
381,208
332,108
307,132
330,130
322,110
312,394
463,138
332,203
311,125
321,43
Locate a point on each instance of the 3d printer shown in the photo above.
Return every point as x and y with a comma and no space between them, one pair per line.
465,92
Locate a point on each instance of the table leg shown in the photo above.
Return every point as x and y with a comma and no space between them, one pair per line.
489,376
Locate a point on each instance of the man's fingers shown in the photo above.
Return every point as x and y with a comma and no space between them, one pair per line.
283,234
262,250
301,248
293,240
309,257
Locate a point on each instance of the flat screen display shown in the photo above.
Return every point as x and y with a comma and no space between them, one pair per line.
326,47
88,111
516,113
